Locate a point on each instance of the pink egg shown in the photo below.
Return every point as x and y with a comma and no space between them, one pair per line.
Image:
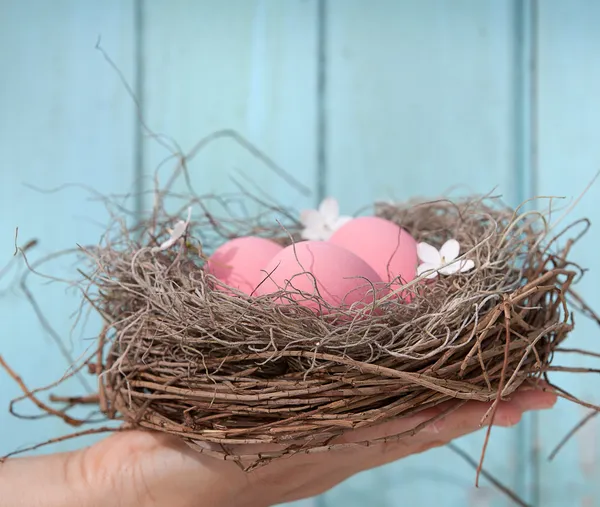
239,262
387,248
340,277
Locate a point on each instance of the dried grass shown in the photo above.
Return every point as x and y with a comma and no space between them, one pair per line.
227,371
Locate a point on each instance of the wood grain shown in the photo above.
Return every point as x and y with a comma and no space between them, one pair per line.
569,154
421,99
65,119
414,98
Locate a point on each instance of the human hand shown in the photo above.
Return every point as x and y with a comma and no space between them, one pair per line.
151,470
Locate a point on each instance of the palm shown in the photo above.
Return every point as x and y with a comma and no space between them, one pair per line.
158,470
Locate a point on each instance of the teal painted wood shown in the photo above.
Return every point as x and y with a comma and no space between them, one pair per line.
247,65
243,65
64,119
422,97
568,122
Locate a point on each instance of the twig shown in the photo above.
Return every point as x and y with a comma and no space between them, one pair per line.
42,406
94,431
571,433
578,351
91,399
500,389
495,482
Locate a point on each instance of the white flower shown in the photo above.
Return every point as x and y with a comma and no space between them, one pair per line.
435,261
320,224
176,233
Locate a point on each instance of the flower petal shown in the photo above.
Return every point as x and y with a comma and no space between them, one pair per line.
176,233
310,218
450,250
429,254
450,269
315,233
327,233
340,222
179,229
458,267
329,209
430,270
467,265
166,244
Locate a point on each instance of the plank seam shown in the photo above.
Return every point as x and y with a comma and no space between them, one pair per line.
322,62
527,471
138,87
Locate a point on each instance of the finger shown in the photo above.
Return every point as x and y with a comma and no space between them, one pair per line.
475,415
528,398
468,418
469,415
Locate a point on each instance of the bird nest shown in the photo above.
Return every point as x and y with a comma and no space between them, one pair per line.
249,379
221,369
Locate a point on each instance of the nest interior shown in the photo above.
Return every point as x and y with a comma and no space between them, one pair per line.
223,370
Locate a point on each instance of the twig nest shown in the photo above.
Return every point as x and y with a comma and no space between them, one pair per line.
222,368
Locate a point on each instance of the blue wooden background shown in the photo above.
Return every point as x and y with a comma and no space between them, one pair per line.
359,99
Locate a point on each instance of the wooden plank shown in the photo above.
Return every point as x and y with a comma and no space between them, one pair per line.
568,124
65,119
243,65
247,65
421,98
